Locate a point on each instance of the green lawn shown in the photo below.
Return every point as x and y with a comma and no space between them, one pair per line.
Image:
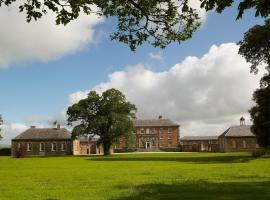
136,176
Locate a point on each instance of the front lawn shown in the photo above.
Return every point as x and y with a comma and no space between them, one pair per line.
235,176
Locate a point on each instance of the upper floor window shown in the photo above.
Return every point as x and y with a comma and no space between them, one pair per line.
29,147
142,130
53,146
161,130
63,147
147,131
170,130
41,147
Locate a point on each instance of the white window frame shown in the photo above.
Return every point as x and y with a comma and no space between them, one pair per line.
40,147
62,146
170,130
29,147
54,143
142,130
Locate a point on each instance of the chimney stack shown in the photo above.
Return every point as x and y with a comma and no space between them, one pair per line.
32,126
160,117
242,121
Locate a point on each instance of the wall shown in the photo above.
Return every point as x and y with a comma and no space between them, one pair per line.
227,144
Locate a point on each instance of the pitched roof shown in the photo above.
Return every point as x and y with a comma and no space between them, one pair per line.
44,134
238,131
154,123
193,138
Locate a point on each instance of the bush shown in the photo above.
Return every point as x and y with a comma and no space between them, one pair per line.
261,152
124,150
5,152
170,149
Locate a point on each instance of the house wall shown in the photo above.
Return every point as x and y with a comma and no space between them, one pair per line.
200,146
21,145
236,144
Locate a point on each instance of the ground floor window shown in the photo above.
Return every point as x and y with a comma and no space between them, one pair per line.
29,147
41,147
19,146
63,147
234,144
53,146
244,144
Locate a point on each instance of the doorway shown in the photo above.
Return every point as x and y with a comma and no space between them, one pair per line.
148,145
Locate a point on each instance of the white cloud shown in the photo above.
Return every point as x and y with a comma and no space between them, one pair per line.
11,130
205,95
41,40
156,56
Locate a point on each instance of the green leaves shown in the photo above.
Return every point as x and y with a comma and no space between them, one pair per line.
108,115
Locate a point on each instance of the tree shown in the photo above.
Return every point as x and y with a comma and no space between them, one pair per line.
158,22
1,123
255,48
108,116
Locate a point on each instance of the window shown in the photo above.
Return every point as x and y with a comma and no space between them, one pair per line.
147,131
170,130
170,137
244,144
53,146
234,144
142,130
160,142
19,146
41,147
63,147
170,143
29,147
160,130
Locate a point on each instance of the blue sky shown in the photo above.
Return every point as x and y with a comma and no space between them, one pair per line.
42,88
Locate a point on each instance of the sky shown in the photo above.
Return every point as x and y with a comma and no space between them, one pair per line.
202,84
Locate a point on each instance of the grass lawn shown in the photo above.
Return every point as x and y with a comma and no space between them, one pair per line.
234,176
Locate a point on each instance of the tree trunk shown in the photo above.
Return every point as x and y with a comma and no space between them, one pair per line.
107,148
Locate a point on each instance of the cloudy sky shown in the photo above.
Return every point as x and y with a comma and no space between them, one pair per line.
203,84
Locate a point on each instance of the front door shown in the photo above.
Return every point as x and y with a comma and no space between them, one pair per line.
148,145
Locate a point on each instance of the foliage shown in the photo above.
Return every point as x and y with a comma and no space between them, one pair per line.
108,116
170,149
5,151
158,22
156,176
262,7
255,47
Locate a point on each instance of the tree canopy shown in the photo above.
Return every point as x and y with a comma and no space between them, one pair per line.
158,22
108,116
255,47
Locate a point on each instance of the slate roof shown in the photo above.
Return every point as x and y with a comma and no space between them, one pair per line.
44,134
238,131
193,138
154,123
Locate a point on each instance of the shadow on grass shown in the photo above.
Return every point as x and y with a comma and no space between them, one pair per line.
193,159
202,190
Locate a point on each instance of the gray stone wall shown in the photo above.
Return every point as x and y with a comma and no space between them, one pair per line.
35,147
238,144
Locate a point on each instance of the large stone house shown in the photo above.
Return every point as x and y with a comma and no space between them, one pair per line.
43,141
153,134
238,138
199,144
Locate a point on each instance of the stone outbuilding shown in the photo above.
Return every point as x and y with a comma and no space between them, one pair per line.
238,139
199,144
43,141
86,146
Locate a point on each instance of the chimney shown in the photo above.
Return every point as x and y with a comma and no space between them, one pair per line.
160,117
32,126
242,121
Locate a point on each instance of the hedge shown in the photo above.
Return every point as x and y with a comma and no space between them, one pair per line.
5,152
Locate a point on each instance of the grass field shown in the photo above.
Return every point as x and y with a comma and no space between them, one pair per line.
136,176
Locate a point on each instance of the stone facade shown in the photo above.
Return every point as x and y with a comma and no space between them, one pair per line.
200,144
84,146
45,141
151,135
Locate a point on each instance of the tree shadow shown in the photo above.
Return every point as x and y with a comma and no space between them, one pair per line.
192,159
202,190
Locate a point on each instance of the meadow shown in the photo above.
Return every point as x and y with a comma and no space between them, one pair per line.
204,176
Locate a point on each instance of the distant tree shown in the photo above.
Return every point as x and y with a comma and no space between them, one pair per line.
1,123
158,22
255,48
108,116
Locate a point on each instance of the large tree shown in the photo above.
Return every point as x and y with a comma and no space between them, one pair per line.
108,116
158,22
255,47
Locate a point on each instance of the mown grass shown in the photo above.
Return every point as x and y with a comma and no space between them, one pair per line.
234,176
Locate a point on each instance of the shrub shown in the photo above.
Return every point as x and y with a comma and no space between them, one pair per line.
261,152
170,149
5,152
124,150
